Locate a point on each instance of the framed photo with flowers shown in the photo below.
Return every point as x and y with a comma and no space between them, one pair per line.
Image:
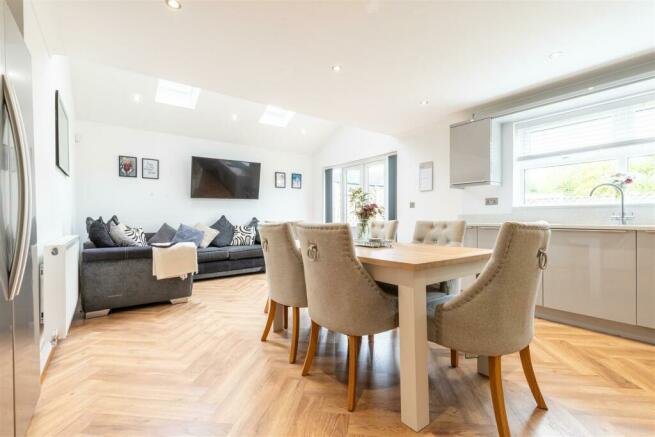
127,167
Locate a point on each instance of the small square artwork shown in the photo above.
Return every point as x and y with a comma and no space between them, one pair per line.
127,166
280,179
296,180
149,168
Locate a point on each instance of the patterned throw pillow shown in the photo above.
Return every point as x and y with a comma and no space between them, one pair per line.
124,235
243,236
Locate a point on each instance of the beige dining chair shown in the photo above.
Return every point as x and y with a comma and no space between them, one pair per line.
285,276
495,315
385,230
441,233
341,295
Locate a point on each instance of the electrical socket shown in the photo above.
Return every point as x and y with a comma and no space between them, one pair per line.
491,201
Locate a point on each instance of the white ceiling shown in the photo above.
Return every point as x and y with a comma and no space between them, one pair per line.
456,54
105,94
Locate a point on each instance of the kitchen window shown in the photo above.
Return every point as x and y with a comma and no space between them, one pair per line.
375,175
559,158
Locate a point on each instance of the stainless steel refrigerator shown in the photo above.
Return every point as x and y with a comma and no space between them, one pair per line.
19,321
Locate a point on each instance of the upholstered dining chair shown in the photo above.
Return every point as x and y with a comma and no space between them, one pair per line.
441,233
495,315
286,279
341,295
385,230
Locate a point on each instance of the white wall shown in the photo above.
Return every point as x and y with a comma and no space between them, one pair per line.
431,143
55,199
149,203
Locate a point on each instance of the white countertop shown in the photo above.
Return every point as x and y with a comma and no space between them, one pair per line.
617,227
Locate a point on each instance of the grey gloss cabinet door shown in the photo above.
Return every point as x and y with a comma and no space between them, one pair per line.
646,279
592,273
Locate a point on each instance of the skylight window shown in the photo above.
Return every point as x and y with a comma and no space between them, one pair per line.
274,116
176,94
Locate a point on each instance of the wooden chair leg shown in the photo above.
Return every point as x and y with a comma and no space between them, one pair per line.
353,342
285,316
454,358
311,349
269,321
526,362
294,335
497,397
266,306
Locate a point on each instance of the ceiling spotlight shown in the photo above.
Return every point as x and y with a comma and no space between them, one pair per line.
336,68
555,55
136,98
173,4
425,102
235,117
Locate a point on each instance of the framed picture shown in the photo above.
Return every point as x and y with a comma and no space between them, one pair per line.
62,140
149,168
425,172
280,179
127,166
296,180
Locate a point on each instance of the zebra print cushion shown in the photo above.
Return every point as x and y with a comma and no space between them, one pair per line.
124,235
244,236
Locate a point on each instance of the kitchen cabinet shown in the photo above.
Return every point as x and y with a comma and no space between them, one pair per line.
646,279
592,272
475,153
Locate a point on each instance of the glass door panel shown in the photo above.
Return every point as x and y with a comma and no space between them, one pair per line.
376,183
354,179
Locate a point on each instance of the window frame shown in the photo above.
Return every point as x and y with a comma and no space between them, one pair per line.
362,164
621,151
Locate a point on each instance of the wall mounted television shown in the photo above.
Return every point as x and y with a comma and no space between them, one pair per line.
224,178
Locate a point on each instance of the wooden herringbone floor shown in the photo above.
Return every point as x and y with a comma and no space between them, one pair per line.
199,369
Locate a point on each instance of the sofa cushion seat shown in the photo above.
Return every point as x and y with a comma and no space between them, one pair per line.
245,252
116,253
212,253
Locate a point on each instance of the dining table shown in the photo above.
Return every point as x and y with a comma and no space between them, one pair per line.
412,267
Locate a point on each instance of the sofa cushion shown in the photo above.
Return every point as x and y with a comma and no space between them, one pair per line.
254,222
243,236
188,234
211,253
116,253
243,252
124,235
208,234
99,235
165,234
225,231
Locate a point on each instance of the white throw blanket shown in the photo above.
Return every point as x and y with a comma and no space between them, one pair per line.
177,261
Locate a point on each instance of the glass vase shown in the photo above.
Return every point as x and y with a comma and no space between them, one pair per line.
363,230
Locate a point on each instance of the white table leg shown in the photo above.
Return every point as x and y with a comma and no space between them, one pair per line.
278,321
414,397
483,365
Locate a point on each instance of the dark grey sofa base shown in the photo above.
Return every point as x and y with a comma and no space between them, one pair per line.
128,282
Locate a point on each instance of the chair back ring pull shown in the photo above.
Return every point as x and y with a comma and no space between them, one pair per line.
542,257
312,251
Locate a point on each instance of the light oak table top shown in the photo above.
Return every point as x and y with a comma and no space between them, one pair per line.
417,256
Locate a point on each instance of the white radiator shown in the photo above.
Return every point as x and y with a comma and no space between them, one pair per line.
60,285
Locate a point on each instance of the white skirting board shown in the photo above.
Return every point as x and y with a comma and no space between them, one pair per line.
60,287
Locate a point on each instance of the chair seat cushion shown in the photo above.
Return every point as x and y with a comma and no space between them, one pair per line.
244,252
212,253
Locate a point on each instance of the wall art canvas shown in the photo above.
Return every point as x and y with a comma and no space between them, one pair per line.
127,166
296,180
280,179
149,168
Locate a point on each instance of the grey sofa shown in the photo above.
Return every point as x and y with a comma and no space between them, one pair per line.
117,277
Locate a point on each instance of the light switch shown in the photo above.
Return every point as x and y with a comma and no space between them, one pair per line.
412,204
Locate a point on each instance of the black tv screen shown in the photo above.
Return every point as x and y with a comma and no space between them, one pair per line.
224,178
